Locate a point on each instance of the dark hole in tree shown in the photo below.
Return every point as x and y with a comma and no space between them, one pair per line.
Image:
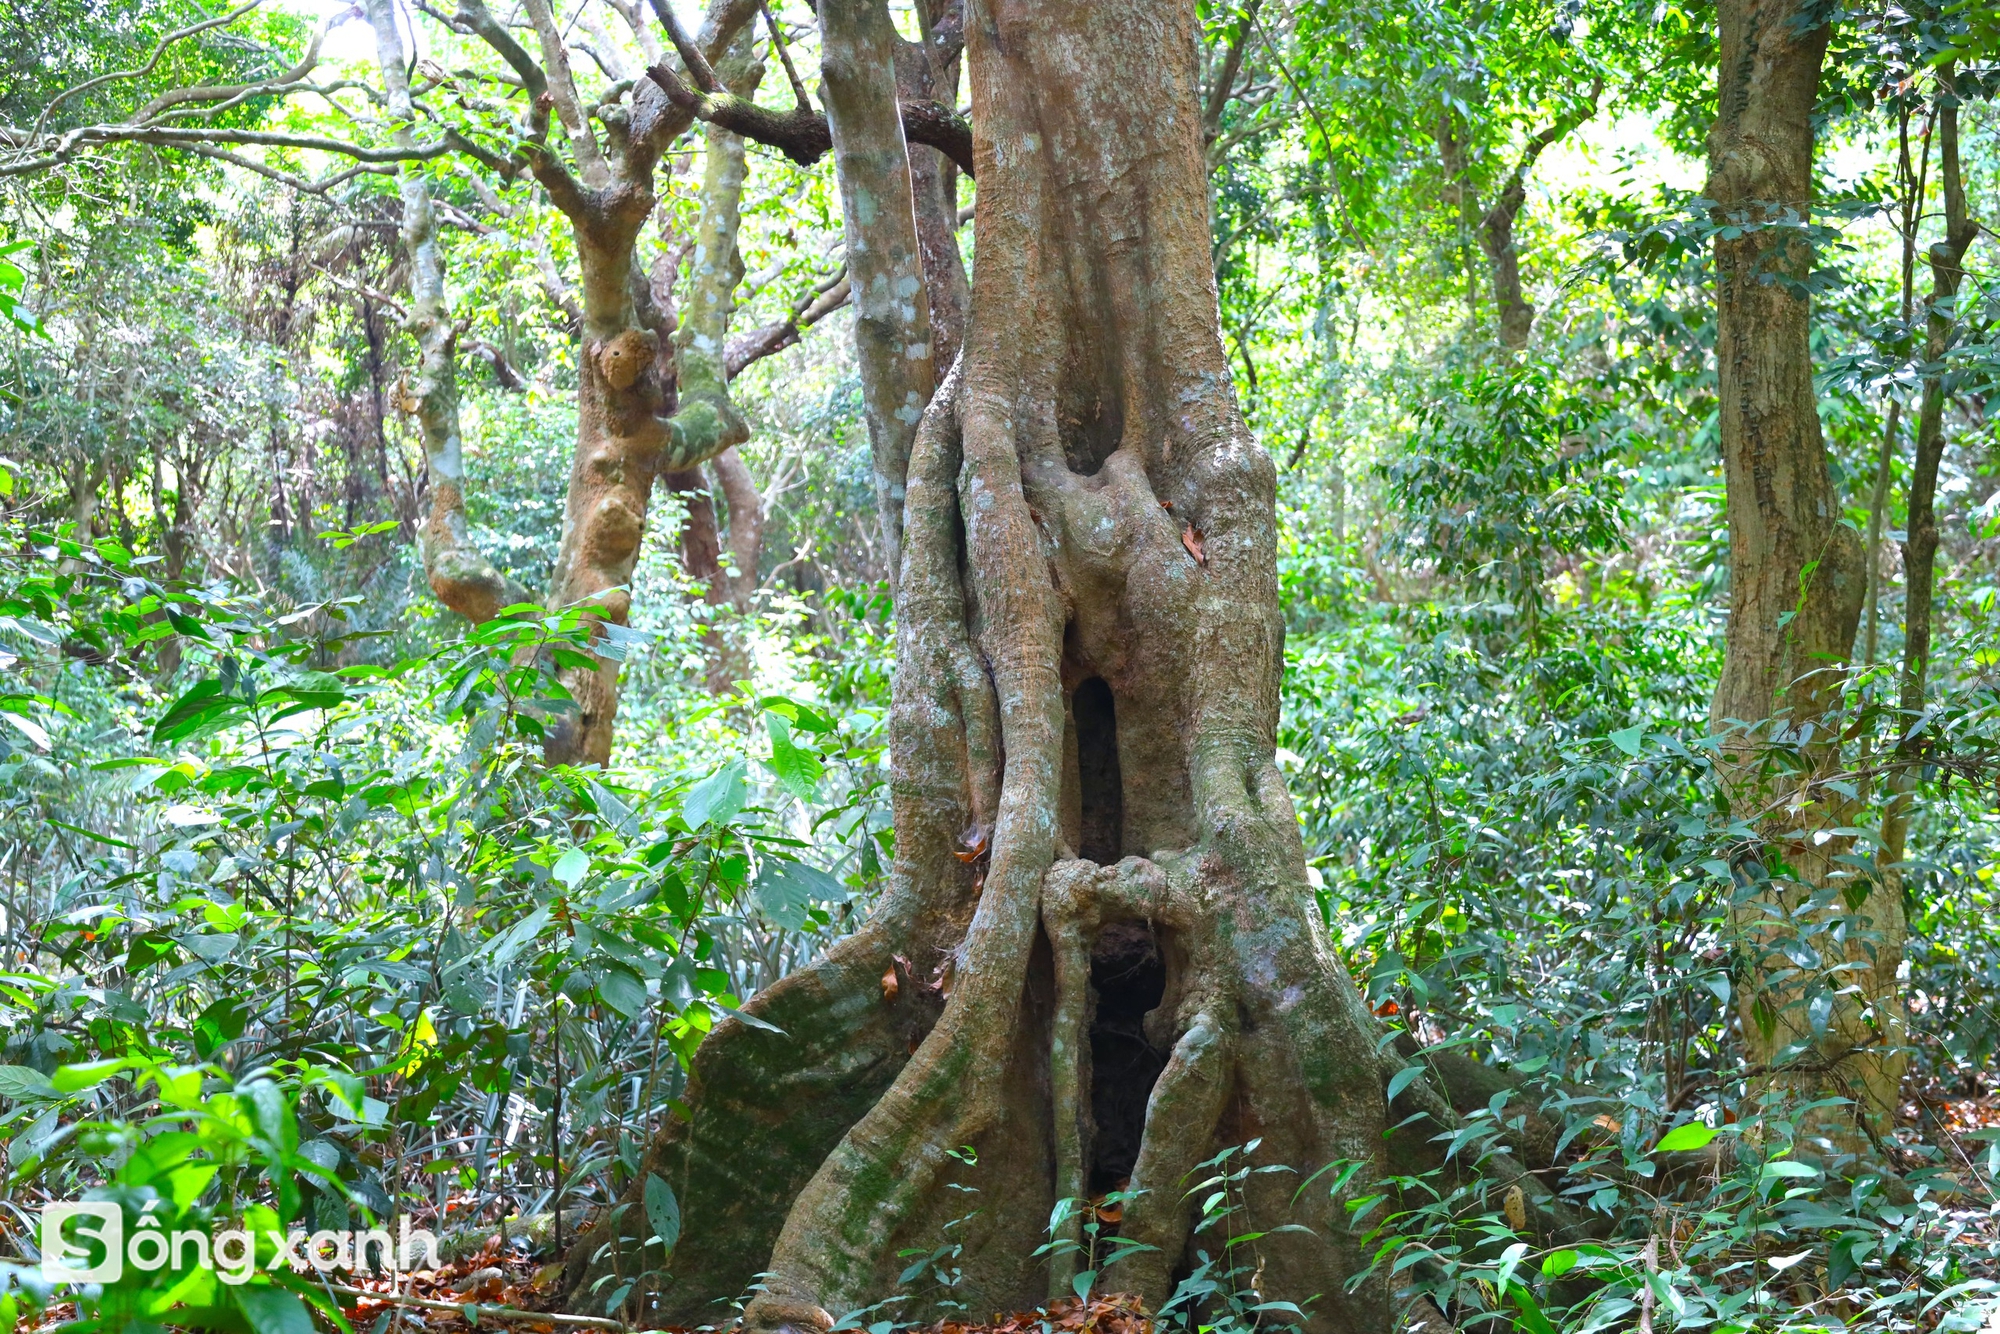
1103,791
1129,975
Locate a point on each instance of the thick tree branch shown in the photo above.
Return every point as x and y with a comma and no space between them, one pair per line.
802,134
690,54
474,17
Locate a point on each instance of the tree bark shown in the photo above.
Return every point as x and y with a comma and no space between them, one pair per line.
625,440
1496,229
459,574
1947,263
884,255
927,72
1796,582
1082,735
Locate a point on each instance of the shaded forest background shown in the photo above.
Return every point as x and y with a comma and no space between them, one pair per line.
267,806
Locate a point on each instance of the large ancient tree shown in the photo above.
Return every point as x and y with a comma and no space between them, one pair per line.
1097,960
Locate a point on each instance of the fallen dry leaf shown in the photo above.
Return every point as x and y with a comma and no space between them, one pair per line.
974,840
890,986
1191,539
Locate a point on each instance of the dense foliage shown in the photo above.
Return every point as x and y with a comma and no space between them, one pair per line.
296,921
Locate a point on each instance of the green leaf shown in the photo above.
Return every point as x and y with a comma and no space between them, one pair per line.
1682,1139
1628,739
89,1074
571,867
1082,1284
787,890
204,708
718,797
1403,1078
274,1311
1532,1319
1786,1167
23,1084
1558,1263
663,1211
797,768
622,990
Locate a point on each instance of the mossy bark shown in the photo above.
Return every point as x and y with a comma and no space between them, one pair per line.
458,572
630,432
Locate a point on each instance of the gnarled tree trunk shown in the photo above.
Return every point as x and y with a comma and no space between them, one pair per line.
626,435
1096,856
1796,583
459,573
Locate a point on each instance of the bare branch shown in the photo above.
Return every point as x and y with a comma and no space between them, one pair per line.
749,348
784,56
285,178
237,92
802,134
690,54
1224,86
139,72
561,90
504,371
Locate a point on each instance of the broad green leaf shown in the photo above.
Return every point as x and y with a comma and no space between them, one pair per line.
717,798
272,1310
787,890
663,1211
797,768
23,1083
1403,1078
622,990
1681,1139
571,867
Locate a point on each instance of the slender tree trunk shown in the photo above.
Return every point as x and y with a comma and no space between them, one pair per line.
1082,738
1912,184
884,253
1496,229
927,71
1796,580
1947,264
461,577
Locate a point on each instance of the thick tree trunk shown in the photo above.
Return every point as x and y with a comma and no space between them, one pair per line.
1095,852
1796,583
625,440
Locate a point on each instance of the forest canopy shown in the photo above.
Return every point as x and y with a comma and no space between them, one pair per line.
809,667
